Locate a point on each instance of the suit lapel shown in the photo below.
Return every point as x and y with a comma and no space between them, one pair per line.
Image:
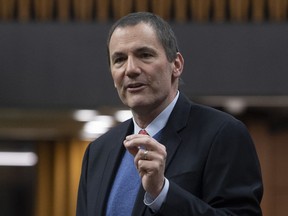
176,122
171,139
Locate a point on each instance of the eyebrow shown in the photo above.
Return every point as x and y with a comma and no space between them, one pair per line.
145,49
137,50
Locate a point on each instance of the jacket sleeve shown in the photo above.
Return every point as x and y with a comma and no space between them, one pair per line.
231,182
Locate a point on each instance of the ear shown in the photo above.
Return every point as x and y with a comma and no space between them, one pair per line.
178,65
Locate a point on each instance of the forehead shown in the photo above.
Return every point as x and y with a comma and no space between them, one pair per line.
141,34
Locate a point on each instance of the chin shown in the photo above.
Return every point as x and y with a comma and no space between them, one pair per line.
137,104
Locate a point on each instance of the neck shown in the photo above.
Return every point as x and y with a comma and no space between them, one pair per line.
143,120
144,116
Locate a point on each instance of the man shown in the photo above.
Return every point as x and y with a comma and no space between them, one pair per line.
193,160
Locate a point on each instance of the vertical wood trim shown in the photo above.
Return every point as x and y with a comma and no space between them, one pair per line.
141,5
63,8
76,8
60,180
102,10
76,153
121,8
162,8
24,10
43,10
258,8
200,10
219,10
239,10
7,9
180,9
43,206
83,10
276,9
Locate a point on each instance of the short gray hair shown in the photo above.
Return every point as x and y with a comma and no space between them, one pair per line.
162,29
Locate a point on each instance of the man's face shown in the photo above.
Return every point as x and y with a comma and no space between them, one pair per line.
144,78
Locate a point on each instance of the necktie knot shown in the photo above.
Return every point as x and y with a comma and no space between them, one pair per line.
142,131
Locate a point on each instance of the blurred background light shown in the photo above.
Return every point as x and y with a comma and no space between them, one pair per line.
123,115
235,106
85,115
18,159
97,127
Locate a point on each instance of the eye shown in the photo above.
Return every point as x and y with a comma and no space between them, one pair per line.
118,60
146,55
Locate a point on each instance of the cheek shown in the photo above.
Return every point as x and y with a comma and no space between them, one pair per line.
117,79
165,76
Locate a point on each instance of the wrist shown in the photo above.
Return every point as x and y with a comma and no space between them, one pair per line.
158,191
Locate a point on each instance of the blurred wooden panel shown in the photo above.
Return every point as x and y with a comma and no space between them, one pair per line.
258,10
121,8
60,179
63,8
265,147
162,8
83,10
44,196
142,5
200,10
59,169
280,179
219,10
102,10
75,156
43,10
239,10
277,10
180,10
7,9
24,10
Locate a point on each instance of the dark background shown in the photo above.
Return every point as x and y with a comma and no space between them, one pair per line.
65,65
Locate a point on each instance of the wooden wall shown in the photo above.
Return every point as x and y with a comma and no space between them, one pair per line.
59,169
272,149
178,10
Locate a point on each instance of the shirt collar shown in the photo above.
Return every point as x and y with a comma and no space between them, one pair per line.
160,121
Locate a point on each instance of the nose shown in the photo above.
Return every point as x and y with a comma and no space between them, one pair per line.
132,68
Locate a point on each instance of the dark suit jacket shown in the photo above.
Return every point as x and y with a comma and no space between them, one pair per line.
212,166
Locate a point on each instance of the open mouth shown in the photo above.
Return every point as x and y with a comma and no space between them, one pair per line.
135,86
